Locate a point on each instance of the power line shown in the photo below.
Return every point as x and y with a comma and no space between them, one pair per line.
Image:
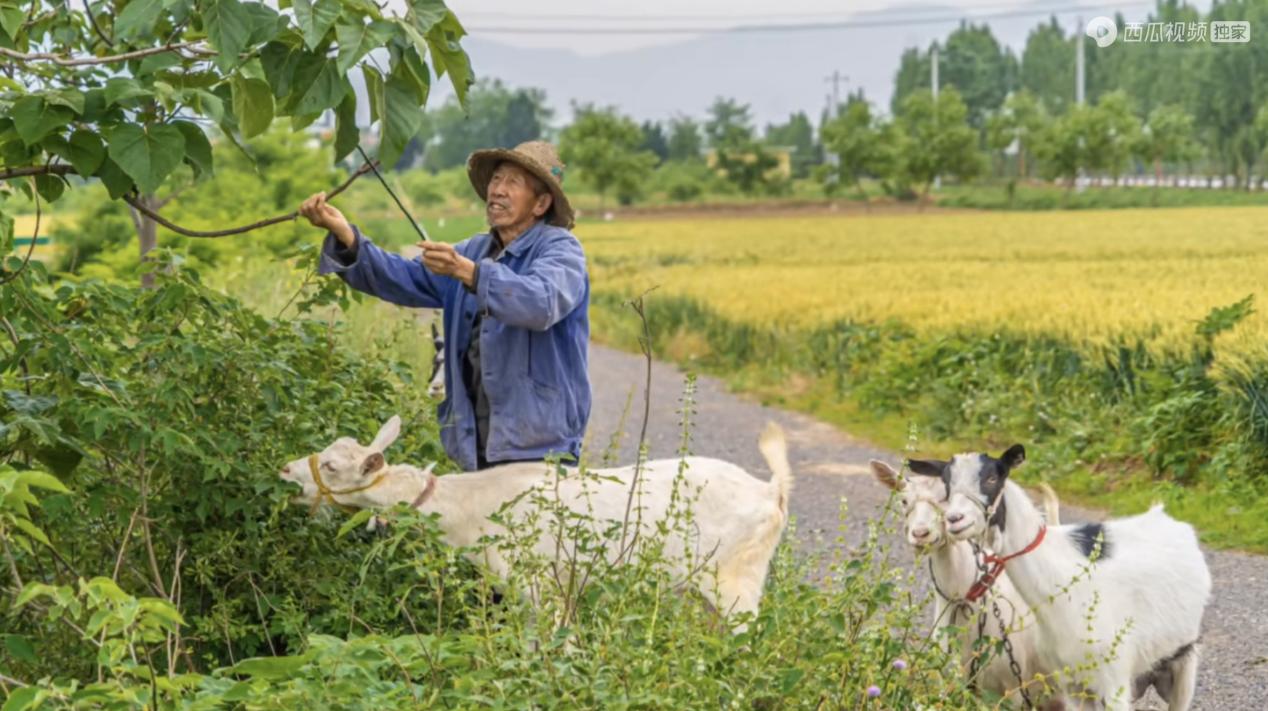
767,17
788,27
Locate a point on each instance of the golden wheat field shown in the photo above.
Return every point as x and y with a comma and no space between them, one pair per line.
1086,275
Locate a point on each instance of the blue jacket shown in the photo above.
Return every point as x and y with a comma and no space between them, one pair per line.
535,300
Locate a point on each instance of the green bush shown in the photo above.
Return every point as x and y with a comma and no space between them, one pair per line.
159,564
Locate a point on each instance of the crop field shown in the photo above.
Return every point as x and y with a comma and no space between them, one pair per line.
1088,277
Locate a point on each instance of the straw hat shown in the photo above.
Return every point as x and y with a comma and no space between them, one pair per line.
538,158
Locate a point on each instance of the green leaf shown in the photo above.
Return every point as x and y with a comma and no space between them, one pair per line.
116,181
158,62
42,480
28,697
424,14
252,105
347,135
11,19
72,99
448,56
34,118
357,519
20,647
315,18
50,187
31,530
137,17
375,89
401,122
415,70
271,667
120,89
147,154
355,41
265,23
84,150
279,61
324,92
32,591
197,147
228,26
207,104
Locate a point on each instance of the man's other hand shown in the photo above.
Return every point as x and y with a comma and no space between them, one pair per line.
441,258
322,214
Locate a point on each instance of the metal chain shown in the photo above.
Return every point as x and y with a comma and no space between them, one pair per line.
979,561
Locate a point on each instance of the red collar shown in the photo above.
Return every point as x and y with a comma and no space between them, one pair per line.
984,583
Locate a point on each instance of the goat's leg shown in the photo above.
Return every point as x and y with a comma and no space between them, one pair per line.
1184,680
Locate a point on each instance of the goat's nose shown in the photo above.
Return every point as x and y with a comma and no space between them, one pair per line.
920,533
955,517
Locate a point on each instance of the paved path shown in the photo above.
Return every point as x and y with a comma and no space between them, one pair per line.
829,465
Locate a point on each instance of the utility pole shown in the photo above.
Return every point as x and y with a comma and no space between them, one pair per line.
1080,81
933,71
933,78
1080,67
835,79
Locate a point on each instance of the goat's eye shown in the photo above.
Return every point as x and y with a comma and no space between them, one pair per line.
327,466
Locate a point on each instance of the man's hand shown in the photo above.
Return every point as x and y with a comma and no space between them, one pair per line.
324,215
441,258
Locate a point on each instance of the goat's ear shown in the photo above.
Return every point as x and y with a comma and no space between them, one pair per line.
1014,457
926,467
886,475
387,434
372,463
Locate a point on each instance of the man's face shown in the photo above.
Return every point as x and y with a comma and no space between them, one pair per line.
511,198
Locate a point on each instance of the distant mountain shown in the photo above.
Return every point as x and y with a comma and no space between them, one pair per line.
777,73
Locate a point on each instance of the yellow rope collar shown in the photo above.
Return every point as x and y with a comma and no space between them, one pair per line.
325,493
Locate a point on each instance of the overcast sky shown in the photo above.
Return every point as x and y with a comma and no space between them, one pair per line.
540,16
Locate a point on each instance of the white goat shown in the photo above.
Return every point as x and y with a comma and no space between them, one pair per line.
735,524
1119,604
954,572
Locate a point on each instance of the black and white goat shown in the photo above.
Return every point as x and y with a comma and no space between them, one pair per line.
1119,605
954,573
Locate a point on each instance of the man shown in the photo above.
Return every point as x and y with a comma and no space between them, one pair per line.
515,307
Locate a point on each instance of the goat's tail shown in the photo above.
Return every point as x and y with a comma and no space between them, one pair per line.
774,447
1184,678
1051,505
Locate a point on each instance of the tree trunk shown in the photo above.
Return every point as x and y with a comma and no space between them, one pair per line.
147,234
1021,161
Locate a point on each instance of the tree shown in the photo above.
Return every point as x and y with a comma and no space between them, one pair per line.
939,140
1113,134
1168,136
1047,66
854,139
798,135
122,97
740,156
605,148
654,140
685,143
1017,122
975,64
494,116
1099,138
914,71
